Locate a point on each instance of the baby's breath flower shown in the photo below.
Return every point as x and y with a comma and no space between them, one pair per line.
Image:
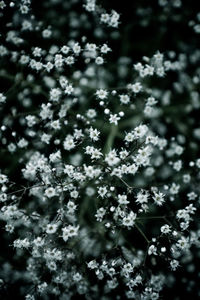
99,160
51,228
69,231
2,98
101,94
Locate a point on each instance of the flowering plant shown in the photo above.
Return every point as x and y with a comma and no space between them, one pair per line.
99,179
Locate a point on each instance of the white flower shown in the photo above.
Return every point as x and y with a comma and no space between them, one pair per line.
186,178
55,157
142,197
123,154
129,220
59,60
69,170
192,196
3,197
100,214
91,113
71,207
2,4
198,163
158,198
152,250
122,199
76,48
25,243
183,214
112,158
132,169
69,231
51,228
50,192
3,178
49,66
95,153
55,94
136,87
183,243
65,49
2,98
69,89
99,60
140,131
158,58
77,277
55,124
127,269
90,5
151,101
46,33
31,120
177,165
105,49
94,134
165,229
46,138
90,47
174,188
190,209
174,264
92,264
102,191
105,18
160,72
70,60
38,242
74,194
129,137
68,143
22,143
101,94
114,119
124,99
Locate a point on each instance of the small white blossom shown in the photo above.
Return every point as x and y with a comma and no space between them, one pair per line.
69,231
101,94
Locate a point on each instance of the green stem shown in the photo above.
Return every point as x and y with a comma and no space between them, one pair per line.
142,233
110,139
151,217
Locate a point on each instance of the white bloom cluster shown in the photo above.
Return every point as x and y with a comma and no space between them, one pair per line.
100,167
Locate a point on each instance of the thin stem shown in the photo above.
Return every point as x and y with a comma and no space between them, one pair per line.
151,217
25,189
127,185
110,139
142,233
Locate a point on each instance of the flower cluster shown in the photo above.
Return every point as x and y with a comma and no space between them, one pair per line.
99,184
